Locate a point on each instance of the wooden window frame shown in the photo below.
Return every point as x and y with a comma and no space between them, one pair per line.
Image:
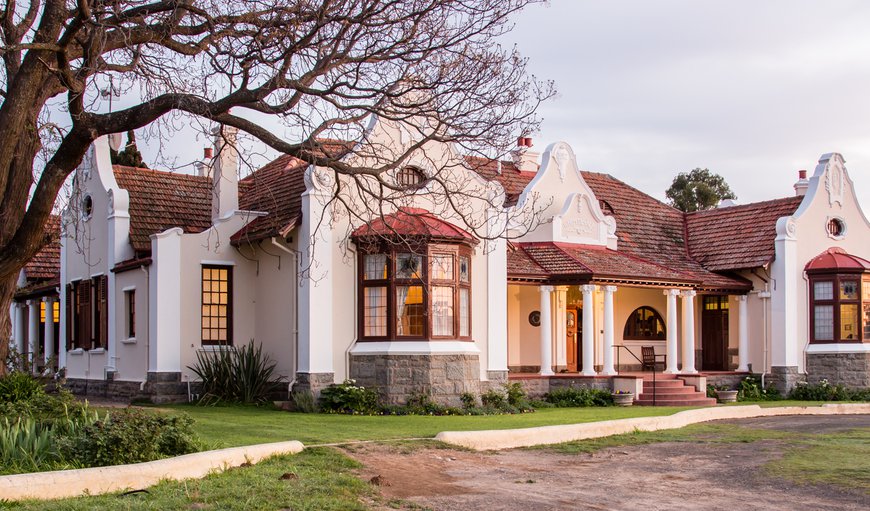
230,310
130,313
425,251
836,278
626,335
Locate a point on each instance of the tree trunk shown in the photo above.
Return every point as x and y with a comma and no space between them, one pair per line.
7,291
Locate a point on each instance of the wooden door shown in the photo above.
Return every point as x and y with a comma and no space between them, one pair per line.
571,330
714,333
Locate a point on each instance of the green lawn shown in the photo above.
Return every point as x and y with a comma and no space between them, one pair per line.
232,426
318,479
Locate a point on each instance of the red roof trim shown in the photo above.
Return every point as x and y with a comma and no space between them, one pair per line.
837,259
412,222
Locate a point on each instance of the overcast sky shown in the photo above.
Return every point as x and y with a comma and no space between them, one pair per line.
752,90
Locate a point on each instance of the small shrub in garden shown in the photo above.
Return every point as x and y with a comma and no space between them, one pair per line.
750,390
468,400
237,375
304,402
579,396
348,397
822,391
493,399
130,436
19,386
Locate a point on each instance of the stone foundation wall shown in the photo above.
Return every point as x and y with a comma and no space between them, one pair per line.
313,382
732,380
159,388
444,377
784,378
849,369
537,387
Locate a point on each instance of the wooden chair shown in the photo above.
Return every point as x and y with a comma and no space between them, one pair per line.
650,359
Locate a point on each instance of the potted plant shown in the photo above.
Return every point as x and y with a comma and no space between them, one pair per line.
622,398
724,394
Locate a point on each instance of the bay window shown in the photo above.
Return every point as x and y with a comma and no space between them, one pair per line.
839,308
415,293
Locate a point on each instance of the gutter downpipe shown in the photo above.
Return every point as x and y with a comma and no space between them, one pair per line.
352,250
148,337
765,298
296,262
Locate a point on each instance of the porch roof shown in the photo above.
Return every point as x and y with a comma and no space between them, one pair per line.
567,262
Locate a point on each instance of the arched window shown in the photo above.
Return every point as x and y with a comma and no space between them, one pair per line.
644,324
410,178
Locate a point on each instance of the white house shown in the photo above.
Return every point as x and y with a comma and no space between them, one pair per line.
157,266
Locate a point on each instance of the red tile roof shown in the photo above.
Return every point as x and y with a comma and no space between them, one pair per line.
162,200
557,261
45,265
511,179
737,237
653,231
410,223
837,259
277,189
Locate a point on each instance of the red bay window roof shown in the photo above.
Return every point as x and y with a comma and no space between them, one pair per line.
837,259
413,223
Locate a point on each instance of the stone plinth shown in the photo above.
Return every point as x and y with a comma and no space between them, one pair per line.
849,369
445,377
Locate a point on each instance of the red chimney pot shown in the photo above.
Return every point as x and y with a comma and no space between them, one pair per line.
802,174
207,153
528,141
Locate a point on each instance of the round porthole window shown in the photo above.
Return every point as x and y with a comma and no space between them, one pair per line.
87,206
535,318
836,228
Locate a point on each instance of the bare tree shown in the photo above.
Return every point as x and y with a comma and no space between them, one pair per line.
318,68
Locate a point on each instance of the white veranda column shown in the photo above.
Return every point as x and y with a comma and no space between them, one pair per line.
33,332
546,331
672,331
689,332
561,359
608,330
742,334
588,347
20,322
48,347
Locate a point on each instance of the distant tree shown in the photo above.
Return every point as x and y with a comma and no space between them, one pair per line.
129,156
698,190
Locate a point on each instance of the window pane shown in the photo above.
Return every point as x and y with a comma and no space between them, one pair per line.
375,267
375,311
463,269
849,289
216,303
823,290
442,266
442,311
867,321
849,322
409,311
409,266
464,313
824,322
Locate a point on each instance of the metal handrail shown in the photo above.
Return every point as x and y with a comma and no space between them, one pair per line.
641,364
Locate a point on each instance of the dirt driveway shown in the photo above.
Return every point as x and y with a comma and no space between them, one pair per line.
709,476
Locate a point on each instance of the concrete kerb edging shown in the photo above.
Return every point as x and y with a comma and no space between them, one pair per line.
95,481
544,435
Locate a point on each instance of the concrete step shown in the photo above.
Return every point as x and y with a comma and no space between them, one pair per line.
681,393
664,384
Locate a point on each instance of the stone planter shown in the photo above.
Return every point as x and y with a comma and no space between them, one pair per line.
726,396
623,399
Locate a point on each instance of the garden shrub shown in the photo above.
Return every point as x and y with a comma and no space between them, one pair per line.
237,375
468,400
19,386
750,389
579,396
130,436
305,402
348,397
492,398
822,391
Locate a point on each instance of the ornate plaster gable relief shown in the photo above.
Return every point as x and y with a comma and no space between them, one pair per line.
581,221
563,158
835,177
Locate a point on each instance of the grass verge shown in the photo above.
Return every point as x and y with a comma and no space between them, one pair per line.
316,479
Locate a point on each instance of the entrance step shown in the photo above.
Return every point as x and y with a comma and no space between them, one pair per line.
671,391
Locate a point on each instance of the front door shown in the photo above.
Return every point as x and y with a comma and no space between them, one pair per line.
714,334
573,331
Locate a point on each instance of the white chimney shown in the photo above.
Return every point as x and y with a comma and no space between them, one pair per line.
225,173
800,188
524,158
203,168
